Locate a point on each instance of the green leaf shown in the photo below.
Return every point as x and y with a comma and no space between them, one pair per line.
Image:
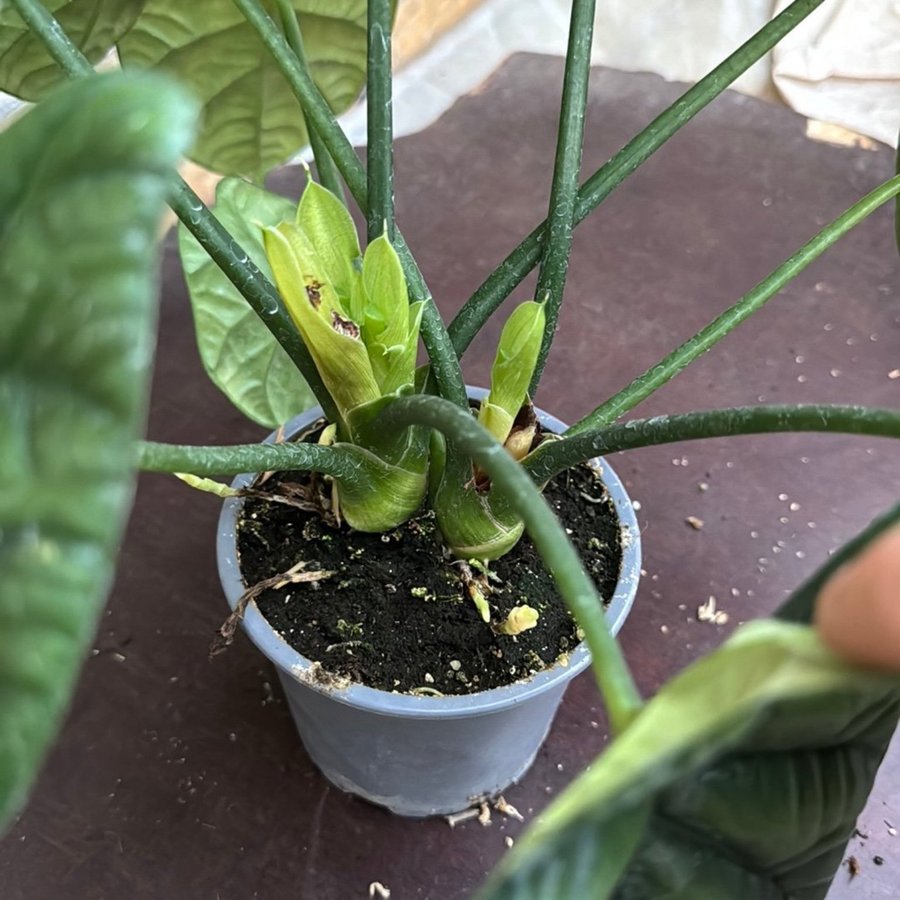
26,68
239,353
251,121
386,292
517,353
333,341
391,325
742,778
327,225
82,187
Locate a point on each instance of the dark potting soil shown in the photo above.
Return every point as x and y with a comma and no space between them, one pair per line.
396,615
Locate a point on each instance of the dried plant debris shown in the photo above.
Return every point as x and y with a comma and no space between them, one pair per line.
455,819
316,496
294,575
707,612
316,675
507,809
481,810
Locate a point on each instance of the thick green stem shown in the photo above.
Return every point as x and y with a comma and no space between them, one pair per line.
380,139
238,458
567,167
510,273
327,171
63,52
656,376
616,684
444,361
256,289
554,457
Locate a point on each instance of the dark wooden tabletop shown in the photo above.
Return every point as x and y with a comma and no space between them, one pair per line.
180,778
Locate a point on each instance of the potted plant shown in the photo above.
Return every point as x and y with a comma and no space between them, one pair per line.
396,437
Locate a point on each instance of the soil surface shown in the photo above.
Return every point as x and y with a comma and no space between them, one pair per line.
396,613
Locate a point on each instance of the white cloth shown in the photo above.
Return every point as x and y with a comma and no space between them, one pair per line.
842,65
680,39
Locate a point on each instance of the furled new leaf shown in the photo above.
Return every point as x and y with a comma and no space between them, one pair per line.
741,779
390,324
333,340
239,353
517,353
82,187
251,121
26,69
327,225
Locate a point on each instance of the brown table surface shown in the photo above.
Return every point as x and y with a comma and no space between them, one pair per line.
176,777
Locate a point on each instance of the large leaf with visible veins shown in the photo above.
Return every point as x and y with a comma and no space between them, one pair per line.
251,121
239,353
27,69
82,187
740,780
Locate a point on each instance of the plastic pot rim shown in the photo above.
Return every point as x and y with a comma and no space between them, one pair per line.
388,703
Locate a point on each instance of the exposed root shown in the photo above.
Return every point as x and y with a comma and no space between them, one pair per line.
225,635
313,497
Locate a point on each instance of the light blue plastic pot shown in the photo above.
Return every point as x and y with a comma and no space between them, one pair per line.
422,756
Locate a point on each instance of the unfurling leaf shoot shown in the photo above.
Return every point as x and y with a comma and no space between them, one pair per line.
517,353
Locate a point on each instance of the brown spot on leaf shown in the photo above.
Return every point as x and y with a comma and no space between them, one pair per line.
314,292
344,326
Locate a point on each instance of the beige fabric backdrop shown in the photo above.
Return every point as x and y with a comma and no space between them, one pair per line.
841,65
